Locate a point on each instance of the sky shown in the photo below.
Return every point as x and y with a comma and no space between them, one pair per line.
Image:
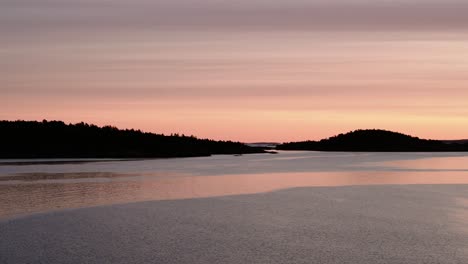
247,70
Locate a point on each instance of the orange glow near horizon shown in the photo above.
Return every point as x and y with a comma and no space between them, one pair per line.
261,125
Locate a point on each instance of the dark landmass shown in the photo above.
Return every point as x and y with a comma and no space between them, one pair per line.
55,139
49,161
266,145
459,141
374,140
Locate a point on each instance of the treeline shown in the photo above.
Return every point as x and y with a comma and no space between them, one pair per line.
374,140
55,139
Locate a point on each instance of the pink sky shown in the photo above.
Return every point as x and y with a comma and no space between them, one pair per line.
248,71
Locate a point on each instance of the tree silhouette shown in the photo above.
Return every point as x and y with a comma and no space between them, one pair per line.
374,140
55,139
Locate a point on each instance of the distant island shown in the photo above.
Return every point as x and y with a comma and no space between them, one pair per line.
375,140
55,139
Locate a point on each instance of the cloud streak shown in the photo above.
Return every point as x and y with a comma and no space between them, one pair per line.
184,65
239,15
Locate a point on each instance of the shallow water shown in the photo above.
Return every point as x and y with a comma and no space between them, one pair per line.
42,186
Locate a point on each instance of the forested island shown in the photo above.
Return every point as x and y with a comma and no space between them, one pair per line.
55,139
374,140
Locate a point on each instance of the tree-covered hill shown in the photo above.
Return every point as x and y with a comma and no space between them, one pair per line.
55,139
374,140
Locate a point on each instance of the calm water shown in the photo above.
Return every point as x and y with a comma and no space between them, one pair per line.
36,187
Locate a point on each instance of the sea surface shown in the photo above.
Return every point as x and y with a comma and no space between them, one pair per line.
32,186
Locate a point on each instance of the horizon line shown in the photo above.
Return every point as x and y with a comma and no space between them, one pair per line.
244,142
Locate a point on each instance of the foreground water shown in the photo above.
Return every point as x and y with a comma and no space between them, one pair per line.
37,186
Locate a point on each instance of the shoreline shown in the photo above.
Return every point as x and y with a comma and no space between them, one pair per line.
60,161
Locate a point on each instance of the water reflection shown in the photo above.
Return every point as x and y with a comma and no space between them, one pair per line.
439,163
35,197
41,187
